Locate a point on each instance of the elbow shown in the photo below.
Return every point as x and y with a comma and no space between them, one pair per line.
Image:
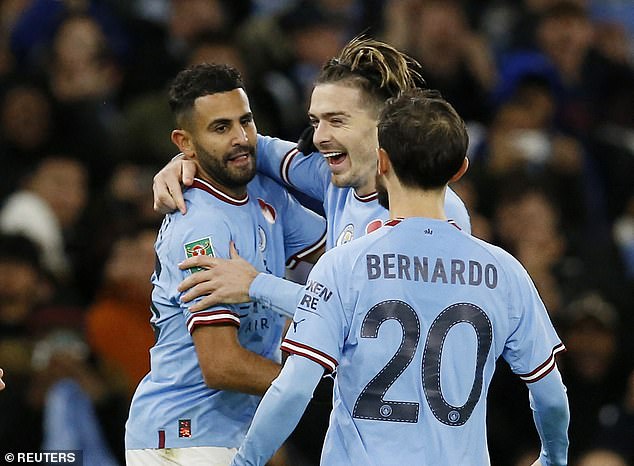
215,377
212,381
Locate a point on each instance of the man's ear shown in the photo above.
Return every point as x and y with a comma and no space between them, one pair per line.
183,141
461,171
383,165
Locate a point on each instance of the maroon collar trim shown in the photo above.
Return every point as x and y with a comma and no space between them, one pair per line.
205,186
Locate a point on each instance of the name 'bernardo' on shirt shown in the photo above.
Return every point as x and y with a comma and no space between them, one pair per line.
430,270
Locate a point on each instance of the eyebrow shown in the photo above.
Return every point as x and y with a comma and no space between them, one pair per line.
330,114
226,121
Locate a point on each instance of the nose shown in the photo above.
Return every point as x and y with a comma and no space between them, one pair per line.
240,136
321,134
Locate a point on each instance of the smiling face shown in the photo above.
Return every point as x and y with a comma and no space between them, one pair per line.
223,137
346,134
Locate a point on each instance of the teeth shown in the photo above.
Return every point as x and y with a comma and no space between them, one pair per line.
333,154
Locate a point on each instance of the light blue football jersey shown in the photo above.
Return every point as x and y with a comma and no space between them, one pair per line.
349,216
413,318
172,406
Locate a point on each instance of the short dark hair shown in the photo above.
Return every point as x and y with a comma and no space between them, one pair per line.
200,80
424,136
376,68
18,248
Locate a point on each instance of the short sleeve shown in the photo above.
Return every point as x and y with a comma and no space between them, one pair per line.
203,232
304,231
531,348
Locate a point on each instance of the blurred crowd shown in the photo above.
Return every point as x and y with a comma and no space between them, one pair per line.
546,88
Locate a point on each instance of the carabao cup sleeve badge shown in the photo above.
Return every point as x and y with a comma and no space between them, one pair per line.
200,247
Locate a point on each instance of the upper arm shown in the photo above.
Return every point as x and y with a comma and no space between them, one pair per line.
304,233
533,344
281,161
216,347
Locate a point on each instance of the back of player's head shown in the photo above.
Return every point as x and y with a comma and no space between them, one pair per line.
198,81
424,136
378,69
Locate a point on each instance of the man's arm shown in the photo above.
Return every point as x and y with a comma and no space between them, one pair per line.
276,158
551,414
227,365
279,411
168,193
236,281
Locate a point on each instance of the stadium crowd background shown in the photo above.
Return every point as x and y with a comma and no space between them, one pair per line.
546,88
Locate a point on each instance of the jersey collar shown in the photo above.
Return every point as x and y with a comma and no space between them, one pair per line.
395,221
369,198
205,186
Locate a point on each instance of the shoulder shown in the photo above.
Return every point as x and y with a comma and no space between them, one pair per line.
203,211
352,253
268,144
504,260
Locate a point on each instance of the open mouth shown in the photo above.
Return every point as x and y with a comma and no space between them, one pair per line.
335,158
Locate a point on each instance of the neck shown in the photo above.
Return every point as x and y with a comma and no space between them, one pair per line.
366,189
412,202
237,192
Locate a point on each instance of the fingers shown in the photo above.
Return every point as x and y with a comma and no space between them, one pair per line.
163,202
188,168
195,279
206,262
204,289
233,252
176,194
204,303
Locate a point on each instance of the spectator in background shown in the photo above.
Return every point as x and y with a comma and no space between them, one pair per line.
27,130
35,27
117,326
456,60
564,37
594,368
24,285
287,51
24,289
71,389
85,78
521,138
47,209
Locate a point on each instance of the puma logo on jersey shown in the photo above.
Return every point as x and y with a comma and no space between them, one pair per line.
295,324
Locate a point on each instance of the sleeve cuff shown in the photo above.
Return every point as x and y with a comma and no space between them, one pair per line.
276,293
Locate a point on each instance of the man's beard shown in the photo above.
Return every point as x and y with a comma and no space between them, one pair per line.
381,191
219,170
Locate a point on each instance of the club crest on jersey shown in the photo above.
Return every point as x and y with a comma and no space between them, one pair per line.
200,247
261,239
373,225
346,235
268,211
185,428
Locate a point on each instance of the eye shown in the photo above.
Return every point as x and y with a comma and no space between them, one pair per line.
314,122
246,121
220,129
336,121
